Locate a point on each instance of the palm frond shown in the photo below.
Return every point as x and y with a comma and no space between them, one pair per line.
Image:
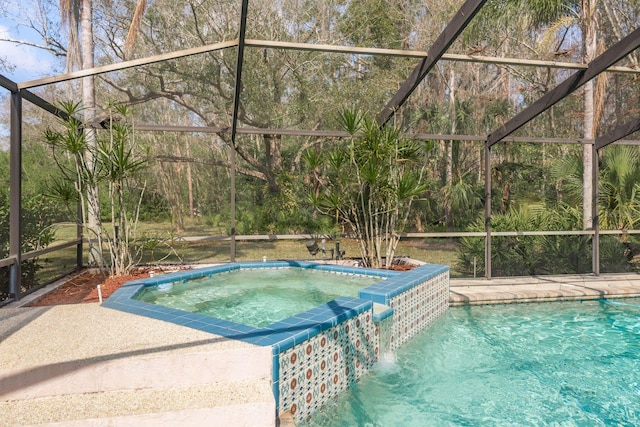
134,28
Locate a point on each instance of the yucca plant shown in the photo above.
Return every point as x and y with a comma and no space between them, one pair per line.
114,162
368,183
118,162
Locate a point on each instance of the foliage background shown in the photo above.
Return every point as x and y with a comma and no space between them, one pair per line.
187,178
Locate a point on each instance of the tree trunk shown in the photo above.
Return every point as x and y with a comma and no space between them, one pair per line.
448,208
89,104
273,161
589,42
189,178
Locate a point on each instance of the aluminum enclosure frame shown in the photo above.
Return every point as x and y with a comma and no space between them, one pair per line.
437,52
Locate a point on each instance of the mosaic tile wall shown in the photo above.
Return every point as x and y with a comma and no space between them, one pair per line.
417,307
316,370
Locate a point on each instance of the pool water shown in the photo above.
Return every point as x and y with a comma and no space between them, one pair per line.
257,297
569,364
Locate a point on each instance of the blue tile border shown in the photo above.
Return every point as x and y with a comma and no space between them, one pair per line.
280,335
286,333
382,292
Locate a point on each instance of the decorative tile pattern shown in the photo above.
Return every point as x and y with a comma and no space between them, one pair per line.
417,298
314,371
416,308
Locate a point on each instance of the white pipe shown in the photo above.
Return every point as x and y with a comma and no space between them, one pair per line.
100,294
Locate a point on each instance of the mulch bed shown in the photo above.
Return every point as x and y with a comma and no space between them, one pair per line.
84,288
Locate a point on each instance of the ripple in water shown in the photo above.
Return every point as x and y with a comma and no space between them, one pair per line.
257,297
573,364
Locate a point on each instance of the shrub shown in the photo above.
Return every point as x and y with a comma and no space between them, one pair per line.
531,255
38,215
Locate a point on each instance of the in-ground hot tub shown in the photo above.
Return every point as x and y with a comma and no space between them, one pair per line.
320,351
258,296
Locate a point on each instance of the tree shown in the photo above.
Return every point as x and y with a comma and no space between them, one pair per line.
38,217
78,14
558,18
589,43
369,182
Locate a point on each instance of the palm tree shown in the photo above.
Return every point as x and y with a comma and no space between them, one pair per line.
589,37
78,15
619,188
134,28
619,185
553,15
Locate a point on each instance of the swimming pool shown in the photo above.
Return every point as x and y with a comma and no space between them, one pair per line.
257,297
570,363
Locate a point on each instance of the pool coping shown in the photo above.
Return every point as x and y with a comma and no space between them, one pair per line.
541,289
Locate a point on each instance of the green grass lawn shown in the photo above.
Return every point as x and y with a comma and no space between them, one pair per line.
158,243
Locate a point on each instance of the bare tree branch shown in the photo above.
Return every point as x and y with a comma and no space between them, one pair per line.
53,47
222,163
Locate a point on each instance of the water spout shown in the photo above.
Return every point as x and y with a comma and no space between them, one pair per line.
386,354
383,319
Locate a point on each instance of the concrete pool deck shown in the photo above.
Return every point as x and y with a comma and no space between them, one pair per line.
543,289
87,365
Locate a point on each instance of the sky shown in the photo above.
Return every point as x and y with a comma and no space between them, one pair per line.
28,62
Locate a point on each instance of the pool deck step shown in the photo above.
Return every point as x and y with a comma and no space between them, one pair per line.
84,365
217,404
542,289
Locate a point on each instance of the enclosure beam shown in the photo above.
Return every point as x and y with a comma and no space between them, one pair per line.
461,19
618,133
404,53
579,78
45,105
483,138
184,129
8,84
342,134
31,97
301,46
244,131
15,194
128,64
234,120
